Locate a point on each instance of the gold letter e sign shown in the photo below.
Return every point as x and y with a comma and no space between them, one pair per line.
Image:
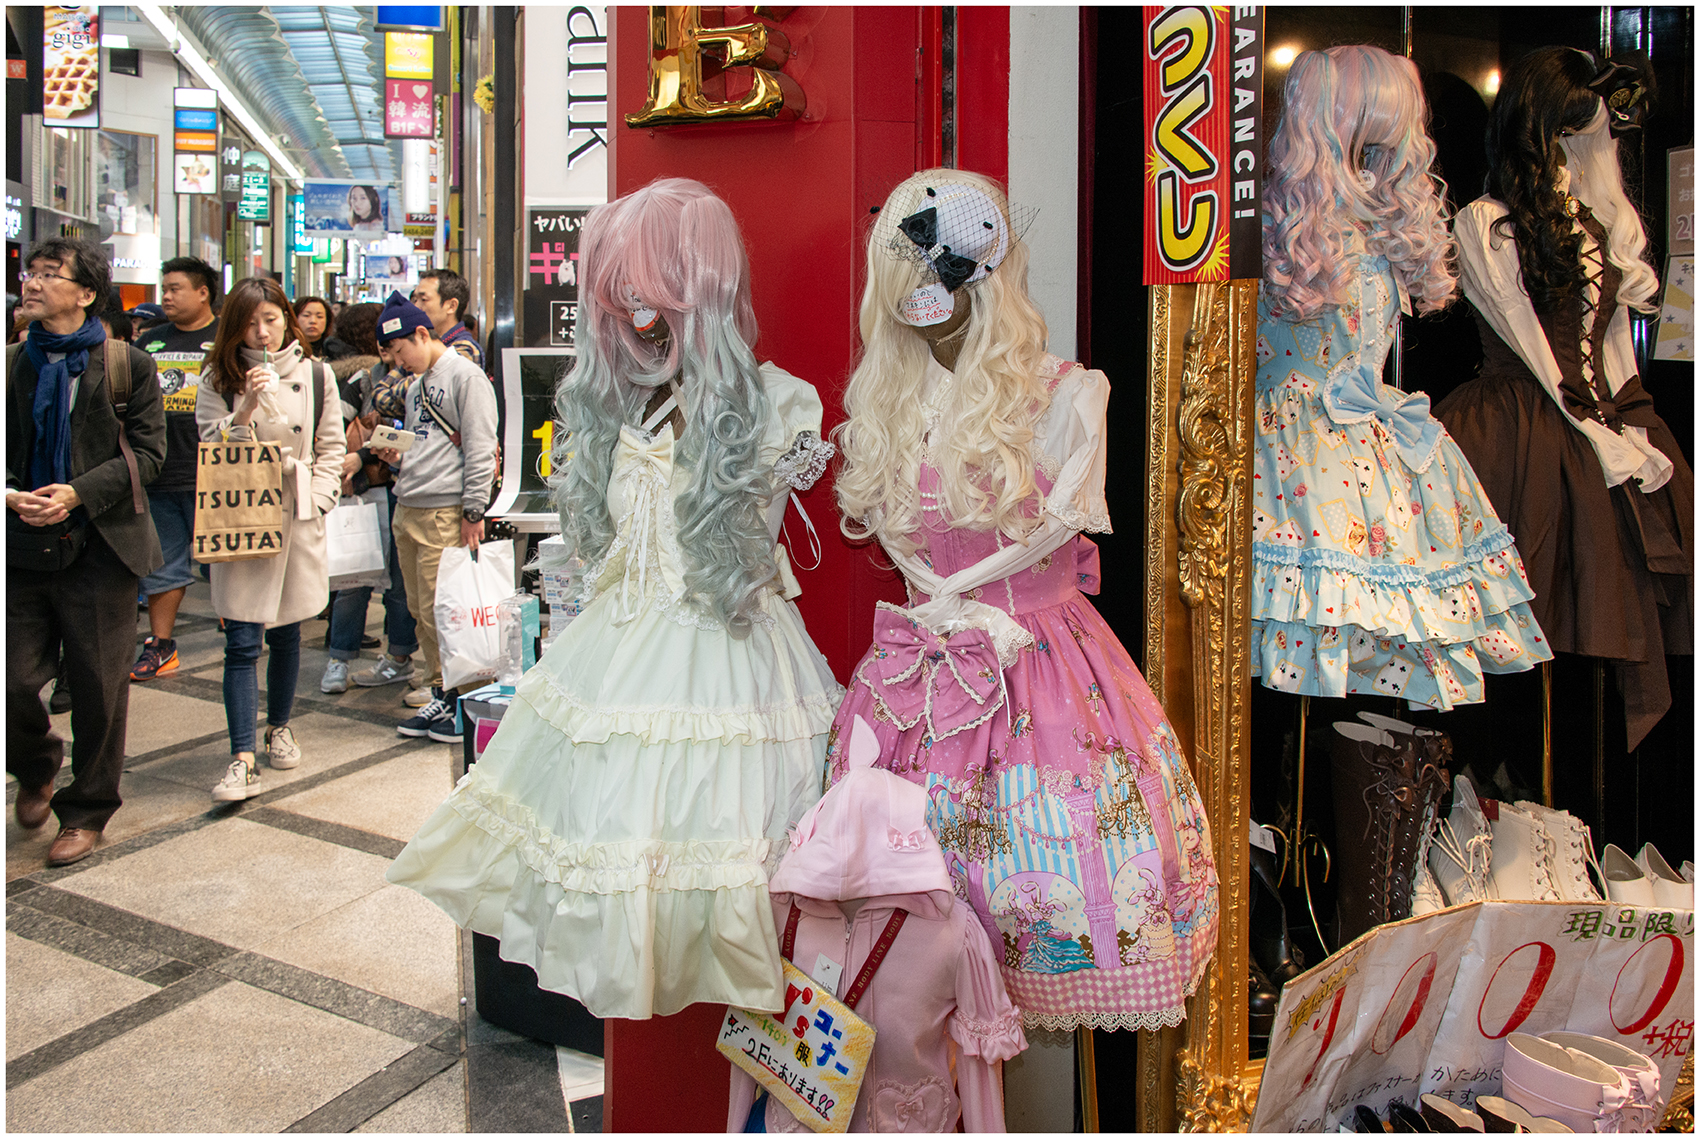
677,94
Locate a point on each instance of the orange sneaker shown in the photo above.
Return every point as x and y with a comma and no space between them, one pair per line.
158,658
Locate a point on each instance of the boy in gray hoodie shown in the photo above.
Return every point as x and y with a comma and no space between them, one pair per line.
442,483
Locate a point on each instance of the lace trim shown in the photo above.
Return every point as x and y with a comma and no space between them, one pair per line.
582,722
1095,522
997,1039
614,867
805,462
1051,466
1379,572
1069,1021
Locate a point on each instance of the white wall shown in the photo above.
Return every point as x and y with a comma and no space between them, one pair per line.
1044,160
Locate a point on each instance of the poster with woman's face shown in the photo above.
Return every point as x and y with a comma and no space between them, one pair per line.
350,209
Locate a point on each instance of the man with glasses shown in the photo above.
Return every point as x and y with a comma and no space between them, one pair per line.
78,538
188,288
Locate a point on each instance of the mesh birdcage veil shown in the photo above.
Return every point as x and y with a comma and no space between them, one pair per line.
954,229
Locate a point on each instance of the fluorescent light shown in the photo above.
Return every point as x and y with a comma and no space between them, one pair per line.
108,39
191,58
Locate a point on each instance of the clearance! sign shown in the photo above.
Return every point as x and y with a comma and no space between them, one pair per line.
1203,130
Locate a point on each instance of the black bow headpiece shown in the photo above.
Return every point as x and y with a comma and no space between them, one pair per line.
1627,92
923,229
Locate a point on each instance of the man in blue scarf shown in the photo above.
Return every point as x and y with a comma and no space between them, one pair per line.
78,539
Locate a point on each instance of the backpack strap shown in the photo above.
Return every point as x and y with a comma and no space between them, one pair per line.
119,382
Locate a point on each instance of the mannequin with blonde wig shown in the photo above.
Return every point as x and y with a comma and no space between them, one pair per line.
1371,536
978,460
618,832
1566,438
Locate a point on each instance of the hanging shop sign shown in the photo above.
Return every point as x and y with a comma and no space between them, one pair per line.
255,203
343,208
70,66
230,170
14,218
410,17
676,48
1203,90
299,242
409,108
551,278
420,225
194,174
587,92
195,129
1424,1005
408,55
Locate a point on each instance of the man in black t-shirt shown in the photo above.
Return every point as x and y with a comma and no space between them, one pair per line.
178,347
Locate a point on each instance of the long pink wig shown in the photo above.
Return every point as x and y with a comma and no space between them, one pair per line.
1348,175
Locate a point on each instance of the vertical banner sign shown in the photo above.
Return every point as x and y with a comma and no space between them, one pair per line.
1245,230
255,203
1187,99
230,170
299,241
551,278
70,66
409,108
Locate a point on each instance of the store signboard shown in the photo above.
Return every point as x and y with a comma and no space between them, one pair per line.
194,120
529,377
342,208
70,66
414,17
299,241
1203,89
551,278
230,170
255,203
408,55
420,225
409,108
193,173
1679,238
135,258
1424,1005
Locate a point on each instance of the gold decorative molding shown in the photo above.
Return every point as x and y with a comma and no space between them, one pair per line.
1198,662
679,41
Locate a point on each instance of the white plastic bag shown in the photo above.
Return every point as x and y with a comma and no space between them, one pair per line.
468,590
357,541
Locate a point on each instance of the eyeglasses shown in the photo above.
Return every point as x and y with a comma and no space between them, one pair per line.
26,277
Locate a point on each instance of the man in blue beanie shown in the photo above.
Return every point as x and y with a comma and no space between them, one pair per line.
442,484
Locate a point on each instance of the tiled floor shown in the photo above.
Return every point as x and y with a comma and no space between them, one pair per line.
246,967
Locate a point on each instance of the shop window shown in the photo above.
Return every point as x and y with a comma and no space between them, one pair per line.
126,167
62,181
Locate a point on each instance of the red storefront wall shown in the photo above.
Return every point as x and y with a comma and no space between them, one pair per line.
802,192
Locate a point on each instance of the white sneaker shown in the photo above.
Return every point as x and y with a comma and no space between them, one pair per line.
1624,881
336,677
1671,890
1524,854
239,782
282,750
1575,852
418,697
388,670
1463,849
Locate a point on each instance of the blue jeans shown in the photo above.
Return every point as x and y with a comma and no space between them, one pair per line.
241,683
348,614
174,519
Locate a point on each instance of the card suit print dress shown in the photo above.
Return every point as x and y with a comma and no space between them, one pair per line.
1378,563
618,832
1067,813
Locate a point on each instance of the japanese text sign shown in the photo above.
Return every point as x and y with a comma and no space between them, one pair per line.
1424,1005
408,55
811,1058
408,108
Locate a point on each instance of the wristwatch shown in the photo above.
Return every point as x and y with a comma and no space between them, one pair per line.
472,513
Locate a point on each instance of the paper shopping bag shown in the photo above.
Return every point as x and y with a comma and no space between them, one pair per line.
357,541
238,501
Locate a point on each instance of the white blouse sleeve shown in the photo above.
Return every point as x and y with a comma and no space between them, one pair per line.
1071,441
1493,281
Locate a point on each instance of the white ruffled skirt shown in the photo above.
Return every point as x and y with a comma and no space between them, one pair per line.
618,832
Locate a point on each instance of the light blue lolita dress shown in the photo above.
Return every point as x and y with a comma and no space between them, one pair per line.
1379,565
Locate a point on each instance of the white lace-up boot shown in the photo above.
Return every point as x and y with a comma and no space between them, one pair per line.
1463,848
1646,1097
1574,854
1671,890
1581,1092
1624,881
1524,854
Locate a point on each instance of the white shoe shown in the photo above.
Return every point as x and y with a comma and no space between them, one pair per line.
1646,1098
388,670
1426,897
1523,858
419,697
336,677
240,782
1624,881
1574,855
1463,848
1670,889
1555,1082
281,748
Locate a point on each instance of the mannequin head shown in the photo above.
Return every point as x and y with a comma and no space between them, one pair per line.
1349,173
1549,128
983,442
671,253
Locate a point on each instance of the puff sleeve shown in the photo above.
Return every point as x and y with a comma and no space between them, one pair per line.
986,1027
1072,450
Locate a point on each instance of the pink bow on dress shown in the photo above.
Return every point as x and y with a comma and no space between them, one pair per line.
952,682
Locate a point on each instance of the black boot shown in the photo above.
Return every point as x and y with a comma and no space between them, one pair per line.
1262,997
1271,948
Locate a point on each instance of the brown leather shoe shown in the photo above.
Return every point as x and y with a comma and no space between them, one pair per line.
33,805
73,845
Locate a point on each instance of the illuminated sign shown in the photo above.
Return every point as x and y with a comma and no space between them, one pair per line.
408,55
255,203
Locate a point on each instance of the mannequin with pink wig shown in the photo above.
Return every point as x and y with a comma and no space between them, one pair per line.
618,832
1379,565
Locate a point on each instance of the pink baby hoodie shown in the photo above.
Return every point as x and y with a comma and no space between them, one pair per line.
936,1001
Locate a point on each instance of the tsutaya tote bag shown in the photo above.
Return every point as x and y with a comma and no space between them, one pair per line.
238,501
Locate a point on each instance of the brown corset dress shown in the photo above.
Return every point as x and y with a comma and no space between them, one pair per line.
1612,568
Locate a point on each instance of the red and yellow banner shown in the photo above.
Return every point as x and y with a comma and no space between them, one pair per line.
1188,90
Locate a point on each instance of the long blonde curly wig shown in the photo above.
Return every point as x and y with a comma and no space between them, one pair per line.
983,444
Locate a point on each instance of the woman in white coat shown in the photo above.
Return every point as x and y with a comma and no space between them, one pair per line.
261,384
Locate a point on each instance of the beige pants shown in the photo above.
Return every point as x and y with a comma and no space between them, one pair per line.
421,535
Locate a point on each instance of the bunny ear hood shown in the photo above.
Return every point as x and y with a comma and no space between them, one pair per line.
867,839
